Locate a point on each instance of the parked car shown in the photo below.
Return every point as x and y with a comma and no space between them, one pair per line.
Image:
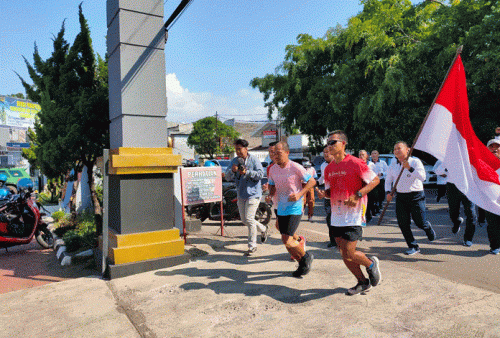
13,176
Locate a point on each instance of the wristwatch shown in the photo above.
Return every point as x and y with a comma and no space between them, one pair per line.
359,194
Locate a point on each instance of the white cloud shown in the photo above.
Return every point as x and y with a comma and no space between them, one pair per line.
185,106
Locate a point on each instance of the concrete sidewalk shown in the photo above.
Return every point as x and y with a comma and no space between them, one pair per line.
221,293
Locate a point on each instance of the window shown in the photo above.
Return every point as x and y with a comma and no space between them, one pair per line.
16,173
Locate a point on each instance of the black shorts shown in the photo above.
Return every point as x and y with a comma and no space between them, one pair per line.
349,233
289,224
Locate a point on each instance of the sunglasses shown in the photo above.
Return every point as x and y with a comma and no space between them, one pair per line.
332,142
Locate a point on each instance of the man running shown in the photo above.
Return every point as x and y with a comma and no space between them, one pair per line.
348,180
289,181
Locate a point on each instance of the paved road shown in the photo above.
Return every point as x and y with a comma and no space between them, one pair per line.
29,265
445,257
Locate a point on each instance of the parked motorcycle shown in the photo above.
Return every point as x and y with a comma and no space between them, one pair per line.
20,218
230,206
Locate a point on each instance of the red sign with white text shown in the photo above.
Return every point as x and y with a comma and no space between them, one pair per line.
201,185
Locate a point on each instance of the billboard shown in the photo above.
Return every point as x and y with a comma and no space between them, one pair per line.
18,113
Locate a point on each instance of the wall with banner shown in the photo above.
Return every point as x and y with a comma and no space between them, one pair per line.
17,113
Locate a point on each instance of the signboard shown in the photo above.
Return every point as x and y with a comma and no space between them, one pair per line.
201,185
270,134
16,112
18,144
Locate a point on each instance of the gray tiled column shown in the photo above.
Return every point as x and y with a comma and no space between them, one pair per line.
137,93
138,106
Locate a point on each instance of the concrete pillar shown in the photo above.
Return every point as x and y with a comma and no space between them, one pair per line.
141,184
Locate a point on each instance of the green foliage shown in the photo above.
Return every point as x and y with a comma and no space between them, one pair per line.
78,231
377,77
206,134
72,240
71,87
58,215
45,198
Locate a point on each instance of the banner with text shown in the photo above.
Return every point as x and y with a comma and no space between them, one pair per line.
201,185
18,113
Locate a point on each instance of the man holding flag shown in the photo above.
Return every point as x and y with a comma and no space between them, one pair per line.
447,134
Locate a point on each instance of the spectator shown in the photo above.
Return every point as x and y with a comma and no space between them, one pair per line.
246,170
321,194
442,174
380,168
370,208
309,196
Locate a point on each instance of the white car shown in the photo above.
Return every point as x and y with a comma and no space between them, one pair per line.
430,175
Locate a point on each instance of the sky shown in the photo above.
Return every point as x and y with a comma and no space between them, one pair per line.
213,50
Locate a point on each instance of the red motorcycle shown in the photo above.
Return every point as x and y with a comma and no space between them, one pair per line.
21,219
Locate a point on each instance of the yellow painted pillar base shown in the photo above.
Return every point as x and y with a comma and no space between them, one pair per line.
134,250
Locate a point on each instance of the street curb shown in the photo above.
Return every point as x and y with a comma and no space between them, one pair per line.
66,258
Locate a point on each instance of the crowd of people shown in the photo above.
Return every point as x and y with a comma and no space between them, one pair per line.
354,190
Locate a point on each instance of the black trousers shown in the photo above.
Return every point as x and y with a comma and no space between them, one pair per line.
411,205
455,197
441,191
328,211
493,229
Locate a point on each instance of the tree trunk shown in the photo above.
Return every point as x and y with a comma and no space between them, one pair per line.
93,193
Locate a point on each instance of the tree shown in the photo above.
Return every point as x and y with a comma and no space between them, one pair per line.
377,78
71,87
207,135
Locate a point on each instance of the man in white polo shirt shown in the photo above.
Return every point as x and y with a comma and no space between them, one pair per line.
410,195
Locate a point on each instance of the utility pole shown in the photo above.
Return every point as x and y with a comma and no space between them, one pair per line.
217,130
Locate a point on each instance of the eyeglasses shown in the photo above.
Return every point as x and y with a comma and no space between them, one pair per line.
332,142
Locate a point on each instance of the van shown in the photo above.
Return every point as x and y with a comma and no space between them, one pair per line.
13,176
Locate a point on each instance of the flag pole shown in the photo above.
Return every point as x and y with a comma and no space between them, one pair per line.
459,51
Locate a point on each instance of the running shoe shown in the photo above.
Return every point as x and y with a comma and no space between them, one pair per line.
359,288
374,273
263,235
304,265
431,234
412,251
495,251
250,252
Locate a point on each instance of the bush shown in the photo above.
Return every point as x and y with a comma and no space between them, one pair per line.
79,231
46,198
72,240
58,215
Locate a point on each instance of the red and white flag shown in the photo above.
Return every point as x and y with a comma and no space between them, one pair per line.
448,135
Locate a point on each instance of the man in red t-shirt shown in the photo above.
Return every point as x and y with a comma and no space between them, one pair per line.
347,181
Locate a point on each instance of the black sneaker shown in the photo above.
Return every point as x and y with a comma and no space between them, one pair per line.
250,252
374,273
456,226
263,235
359,288
304,265
431,234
